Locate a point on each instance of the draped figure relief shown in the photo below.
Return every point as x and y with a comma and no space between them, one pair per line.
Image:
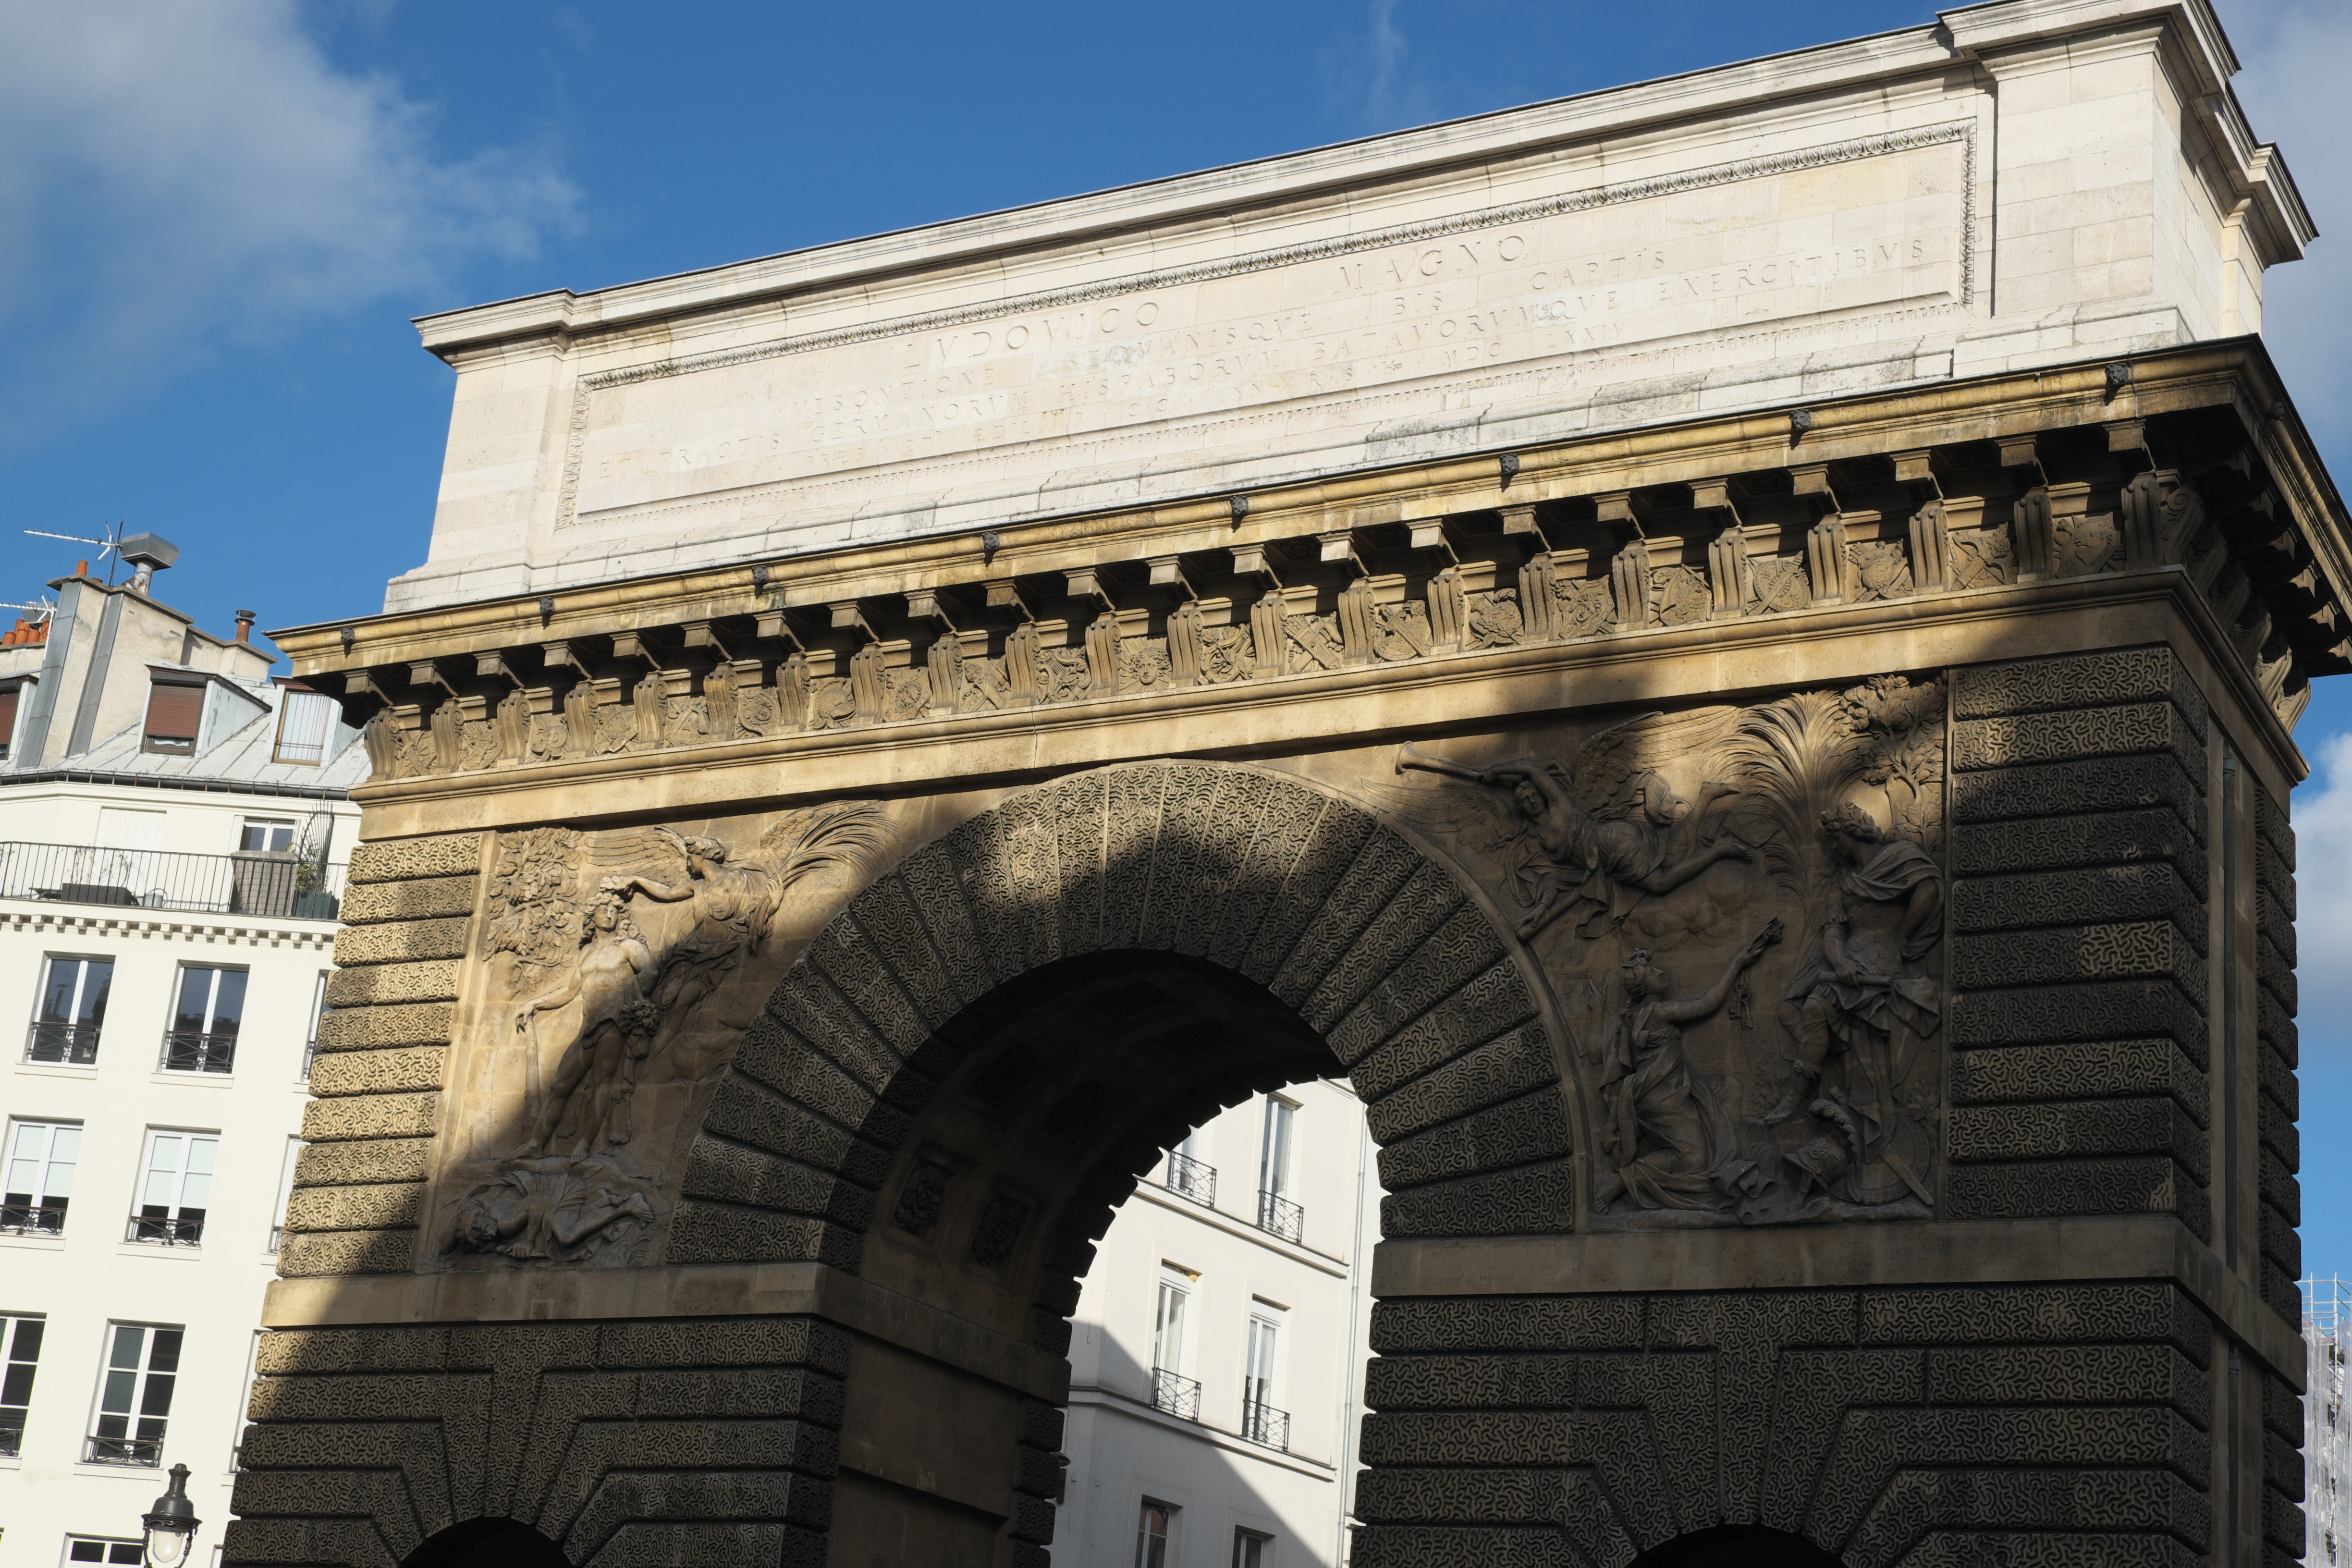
615,956
1739,912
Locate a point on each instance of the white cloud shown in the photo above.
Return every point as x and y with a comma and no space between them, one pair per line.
2297,56
2323,926
178,174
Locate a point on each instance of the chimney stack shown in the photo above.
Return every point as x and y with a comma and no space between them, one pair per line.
245,626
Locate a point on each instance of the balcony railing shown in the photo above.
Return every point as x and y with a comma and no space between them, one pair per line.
1279,1216
1189,1178
180,1230
1177,1396
1266,1425
34,1219
187,1052
146,1451
273,887
67,1045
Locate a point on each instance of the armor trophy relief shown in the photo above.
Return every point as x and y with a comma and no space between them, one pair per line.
1741,914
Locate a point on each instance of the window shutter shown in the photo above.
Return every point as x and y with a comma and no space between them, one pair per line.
7,716
173,712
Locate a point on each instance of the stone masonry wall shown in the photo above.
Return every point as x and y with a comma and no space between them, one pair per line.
359,1186
1889,1425
2079,862
708,1440
2279,1156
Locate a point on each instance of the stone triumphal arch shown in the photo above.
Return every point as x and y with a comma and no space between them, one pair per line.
1743,697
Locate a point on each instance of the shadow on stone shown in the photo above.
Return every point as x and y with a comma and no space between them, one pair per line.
1737,1546
487,1543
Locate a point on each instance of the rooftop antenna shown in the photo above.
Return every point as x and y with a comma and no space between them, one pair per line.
109,547
42,610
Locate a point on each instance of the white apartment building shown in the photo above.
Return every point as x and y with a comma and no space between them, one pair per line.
1217,1354
2326,1424
172,828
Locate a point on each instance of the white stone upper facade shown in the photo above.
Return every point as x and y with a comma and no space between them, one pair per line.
2029,182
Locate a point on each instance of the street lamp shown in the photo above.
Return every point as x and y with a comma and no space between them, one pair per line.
171,1523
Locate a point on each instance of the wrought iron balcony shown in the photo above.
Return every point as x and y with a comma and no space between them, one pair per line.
147,1451
272,887
1177,1396
1279,1216
1191,1179
34,1219
187,1052
177,1231
67,1045
1266,1425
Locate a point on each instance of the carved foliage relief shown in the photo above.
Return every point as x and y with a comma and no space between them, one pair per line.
1741,914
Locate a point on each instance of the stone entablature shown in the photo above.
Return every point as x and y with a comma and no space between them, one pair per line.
2020,184
1983,499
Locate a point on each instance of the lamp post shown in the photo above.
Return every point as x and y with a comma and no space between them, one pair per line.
171,1523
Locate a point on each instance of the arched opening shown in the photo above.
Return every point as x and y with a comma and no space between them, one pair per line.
487,1543
1737,1546
1075,1077
946,1096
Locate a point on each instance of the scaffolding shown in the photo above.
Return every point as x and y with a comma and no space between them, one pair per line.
2327,1424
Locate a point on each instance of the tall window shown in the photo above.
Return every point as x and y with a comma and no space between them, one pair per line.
266,835
20,1357
1276,1212
1171,1390
203,1024
1261,1422
302,724
72,1010
1152,1532
285,1192
41,1172
1274,1149
176,1185
1167,1326
1252,1550
134,1397
319,1011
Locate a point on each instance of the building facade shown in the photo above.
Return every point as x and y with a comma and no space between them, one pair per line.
172,825
2327,1424
1725,651
1217,1351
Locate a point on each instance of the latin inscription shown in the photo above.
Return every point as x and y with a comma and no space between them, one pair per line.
1317,336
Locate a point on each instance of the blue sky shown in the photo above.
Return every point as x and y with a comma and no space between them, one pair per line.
215,221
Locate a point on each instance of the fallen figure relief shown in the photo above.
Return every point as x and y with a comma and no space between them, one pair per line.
614,946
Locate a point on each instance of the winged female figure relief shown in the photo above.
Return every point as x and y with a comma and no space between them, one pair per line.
1594,840
621,950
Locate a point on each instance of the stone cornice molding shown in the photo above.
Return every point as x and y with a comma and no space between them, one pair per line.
1764,84
46,922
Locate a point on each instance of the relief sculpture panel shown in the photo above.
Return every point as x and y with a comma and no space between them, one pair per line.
1739,912
622,968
